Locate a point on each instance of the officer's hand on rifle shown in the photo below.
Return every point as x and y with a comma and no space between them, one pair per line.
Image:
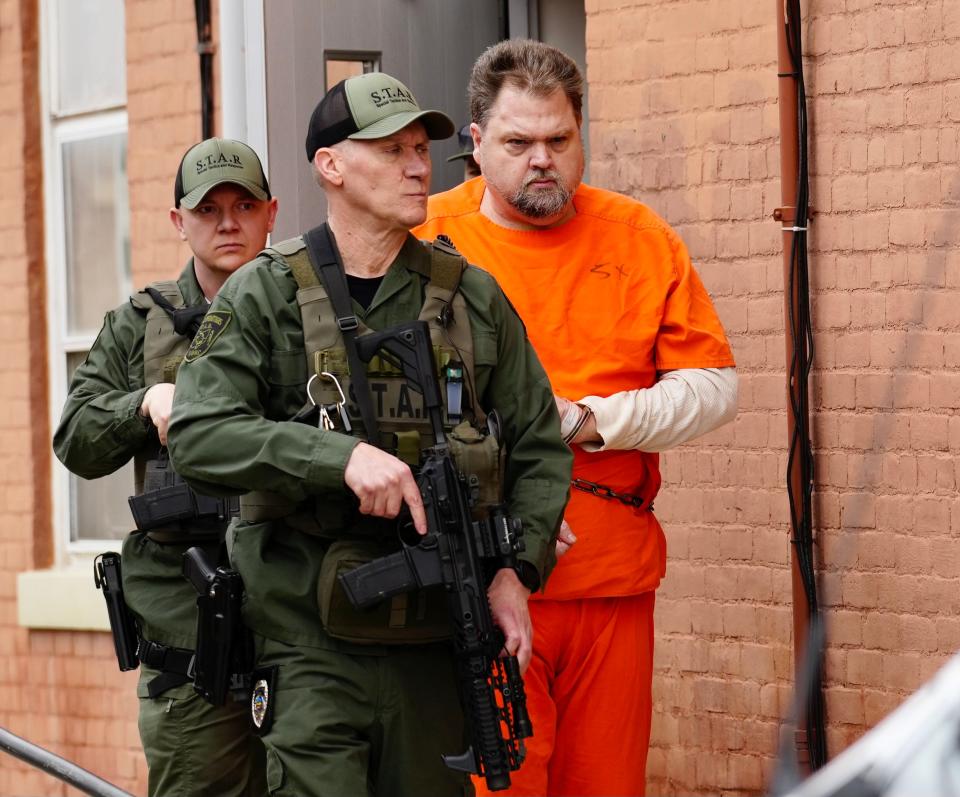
508,605
156,405
383,483
565,539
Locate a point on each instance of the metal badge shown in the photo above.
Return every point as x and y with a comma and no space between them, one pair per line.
259,701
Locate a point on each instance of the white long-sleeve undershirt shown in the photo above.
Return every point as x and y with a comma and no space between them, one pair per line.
681,406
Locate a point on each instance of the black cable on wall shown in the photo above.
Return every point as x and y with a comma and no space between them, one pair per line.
801,363
205,50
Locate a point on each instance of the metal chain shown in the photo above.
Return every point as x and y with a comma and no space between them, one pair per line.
602,491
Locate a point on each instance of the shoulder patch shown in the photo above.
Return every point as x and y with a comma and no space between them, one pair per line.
212,327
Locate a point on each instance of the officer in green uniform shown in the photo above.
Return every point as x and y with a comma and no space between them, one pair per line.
119,408
464,152
347,706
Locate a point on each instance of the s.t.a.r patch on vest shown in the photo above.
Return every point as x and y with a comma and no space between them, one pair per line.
212,327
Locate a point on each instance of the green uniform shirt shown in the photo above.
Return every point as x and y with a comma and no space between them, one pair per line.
100,431
236,392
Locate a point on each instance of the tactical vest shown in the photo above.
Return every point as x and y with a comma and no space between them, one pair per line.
163,350
399,409
403,427
166,507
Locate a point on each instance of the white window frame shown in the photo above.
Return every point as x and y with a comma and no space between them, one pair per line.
58,131
40,593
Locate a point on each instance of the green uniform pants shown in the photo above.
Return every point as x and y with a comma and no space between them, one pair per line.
363,726
194,749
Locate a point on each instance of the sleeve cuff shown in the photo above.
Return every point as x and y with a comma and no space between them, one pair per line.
130,424
329,461
528,574
605,417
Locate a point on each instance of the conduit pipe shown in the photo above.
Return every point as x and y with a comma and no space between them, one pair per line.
809,743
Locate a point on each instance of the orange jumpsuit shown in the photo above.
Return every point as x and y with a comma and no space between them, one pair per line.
609,298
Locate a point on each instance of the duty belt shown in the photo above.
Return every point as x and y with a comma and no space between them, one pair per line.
336,519
178,504
176,667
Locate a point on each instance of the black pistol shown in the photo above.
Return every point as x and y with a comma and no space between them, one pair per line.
462,554
224,645
123,627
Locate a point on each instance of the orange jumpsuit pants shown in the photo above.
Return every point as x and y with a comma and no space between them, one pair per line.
588,691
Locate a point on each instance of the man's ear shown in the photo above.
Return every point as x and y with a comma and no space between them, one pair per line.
274,207
176,218
477,134
328,165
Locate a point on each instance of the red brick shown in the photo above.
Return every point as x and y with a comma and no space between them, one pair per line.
853,349
895,513
918,634
885,189
861,590
951,102
845,628
673,617
874,390
901,671
865,667
871,231
911,391
882,631
912,555
845,706
867,309
930,432
839,392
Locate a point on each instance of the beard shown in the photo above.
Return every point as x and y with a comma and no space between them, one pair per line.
542,202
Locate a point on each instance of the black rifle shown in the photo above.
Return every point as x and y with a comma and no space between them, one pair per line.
224,645
460,554
123,627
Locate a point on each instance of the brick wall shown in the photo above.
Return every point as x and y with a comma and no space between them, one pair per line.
684,117
54,688
163,103
61,689
16,484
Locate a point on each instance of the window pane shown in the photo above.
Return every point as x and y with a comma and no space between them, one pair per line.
341,66
91,56
97,235
99,507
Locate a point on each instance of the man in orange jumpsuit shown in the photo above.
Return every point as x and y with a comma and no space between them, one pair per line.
639,363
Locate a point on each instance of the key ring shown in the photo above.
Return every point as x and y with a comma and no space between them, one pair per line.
336,384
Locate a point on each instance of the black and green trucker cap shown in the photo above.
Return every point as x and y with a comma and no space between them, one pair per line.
465,144
366,107
216,161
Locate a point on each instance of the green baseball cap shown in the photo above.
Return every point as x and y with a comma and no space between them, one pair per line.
369,106
214,162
